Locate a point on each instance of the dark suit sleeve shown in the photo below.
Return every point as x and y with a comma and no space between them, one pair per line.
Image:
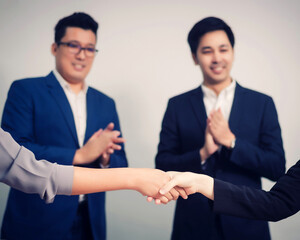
282,201
18,120
169,156
267,157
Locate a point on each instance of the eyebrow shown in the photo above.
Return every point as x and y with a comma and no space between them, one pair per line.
224,45
88,44
205,48
208,47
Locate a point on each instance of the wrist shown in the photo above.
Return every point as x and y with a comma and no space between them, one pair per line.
104,161
78,157
230,143
132,179
203,154
206,186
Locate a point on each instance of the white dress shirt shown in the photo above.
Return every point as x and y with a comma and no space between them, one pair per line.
224,101
78,106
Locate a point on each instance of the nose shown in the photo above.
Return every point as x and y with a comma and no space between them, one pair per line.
81,55
216,57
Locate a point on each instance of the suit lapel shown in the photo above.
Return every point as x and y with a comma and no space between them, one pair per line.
198,107
237,108
92,114
58,94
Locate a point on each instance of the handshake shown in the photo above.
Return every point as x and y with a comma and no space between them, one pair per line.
163,187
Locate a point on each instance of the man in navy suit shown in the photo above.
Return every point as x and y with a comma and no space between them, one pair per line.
59,118
223,130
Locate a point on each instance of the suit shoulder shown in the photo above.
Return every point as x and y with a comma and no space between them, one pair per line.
257,98
184,96
28,81
256,94
96,93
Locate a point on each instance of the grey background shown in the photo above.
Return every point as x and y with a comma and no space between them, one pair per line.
144,59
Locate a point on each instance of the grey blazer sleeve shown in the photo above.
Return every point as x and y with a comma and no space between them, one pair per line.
19,169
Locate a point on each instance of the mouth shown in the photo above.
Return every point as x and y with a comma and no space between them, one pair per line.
217,69
78,67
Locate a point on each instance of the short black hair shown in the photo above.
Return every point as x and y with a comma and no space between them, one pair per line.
204,26
77,19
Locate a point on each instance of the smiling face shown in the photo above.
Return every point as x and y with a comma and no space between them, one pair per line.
74,67
215,56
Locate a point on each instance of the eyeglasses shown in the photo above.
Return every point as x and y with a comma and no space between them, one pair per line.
75,48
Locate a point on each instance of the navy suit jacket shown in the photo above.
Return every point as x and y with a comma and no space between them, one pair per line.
282,201
39,117
258,152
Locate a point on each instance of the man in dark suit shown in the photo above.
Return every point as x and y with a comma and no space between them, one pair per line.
59,118
223,130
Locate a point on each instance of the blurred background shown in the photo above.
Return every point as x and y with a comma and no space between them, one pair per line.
143,60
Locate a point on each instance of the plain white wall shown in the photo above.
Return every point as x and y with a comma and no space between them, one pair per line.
144,59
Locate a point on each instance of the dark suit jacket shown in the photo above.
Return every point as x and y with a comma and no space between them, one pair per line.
282,201
38,116
258,152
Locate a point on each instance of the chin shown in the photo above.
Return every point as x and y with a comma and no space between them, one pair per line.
75,79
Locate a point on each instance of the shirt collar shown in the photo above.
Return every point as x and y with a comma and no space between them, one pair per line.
65,85
207,92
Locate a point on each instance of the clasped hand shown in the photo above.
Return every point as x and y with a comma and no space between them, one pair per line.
184,184
101,144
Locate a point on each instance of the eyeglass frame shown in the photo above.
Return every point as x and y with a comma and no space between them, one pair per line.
79,48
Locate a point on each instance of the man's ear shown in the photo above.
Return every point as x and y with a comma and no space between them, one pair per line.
54,49
195,59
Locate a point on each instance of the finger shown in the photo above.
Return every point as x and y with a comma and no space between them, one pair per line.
110,151
167,187
119,140
219,114
163,200
157,201
116,134
110,126
174,193
104,155
98,133
149,199
116,147
168,195
182,192
212,112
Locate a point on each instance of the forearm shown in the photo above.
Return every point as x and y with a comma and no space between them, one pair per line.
87,180
242,201
267,162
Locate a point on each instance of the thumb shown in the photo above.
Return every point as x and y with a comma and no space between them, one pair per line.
168,186
98,133
110,126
